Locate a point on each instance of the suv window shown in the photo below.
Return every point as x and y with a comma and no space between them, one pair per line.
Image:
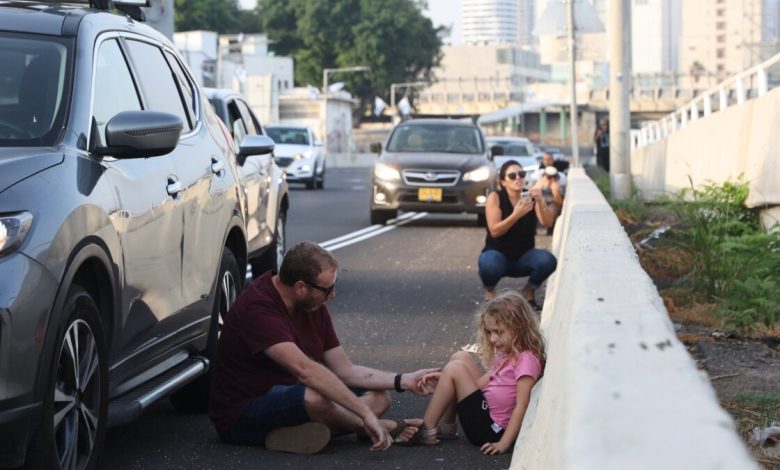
34,88
236,123
252,127
184,85
159,88
436,138
114,88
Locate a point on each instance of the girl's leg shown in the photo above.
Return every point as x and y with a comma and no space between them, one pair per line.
455,383
451,413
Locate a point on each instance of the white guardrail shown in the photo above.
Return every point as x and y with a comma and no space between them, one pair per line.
733,91
619,390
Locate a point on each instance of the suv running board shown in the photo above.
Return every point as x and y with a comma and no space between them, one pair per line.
129,406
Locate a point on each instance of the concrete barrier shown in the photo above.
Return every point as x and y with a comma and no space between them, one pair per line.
619,390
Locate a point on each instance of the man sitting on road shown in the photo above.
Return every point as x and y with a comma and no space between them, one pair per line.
548,160
553,186
282,378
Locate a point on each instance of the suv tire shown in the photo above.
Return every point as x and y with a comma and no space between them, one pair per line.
272,256
75,409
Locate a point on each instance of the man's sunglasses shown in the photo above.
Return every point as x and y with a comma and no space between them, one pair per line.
514,175
324,290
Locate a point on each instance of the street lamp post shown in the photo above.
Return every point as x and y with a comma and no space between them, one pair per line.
575,146
325,72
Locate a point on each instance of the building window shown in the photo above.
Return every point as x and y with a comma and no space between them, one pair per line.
721,38
720,12
720,25
721,68
721,53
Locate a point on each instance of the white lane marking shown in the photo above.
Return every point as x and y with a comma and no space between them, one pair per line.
369,232
362,234
358,188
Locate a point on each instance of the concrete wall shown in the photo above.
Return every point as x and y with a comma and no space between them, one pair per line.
619,390
742,139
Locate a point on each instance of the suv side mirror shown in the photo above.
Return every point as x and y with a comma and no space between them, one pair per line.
254,145
496,151
376,147
141,134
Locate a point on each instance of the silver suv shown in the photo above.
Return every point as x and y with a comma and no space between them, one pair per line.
122,229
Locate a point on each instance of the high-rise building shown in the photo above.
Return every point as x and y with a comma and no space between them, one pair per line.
490,21
723,37
655,34
526,21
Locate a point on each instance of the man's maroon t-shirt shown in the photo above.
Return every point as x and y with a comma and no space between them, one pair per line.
258,320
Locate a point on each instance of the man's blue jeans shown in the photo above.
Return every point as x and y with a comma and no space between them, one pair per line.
535,263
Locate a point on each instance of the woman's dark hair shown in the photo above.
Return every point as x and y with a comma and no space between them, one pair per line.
505,166
304,262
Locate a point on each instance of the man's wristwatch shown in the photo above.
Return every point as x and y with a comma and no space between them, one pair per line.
398,383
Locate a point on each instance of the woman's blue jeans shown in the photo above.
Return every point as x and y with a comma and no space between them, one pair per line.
535,263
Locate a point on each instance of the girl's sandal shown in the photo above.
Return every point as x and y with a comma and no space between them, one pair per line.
426,437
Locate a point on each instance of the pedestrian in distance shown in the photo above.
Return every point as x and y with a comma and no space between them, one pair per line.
282,378
509,249
491,405
601,142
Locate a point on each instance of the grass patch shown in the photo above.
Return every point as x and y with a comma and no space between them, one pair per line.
754,411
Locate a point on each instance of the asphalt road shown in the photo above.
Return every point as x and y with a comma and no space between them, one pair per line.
405,299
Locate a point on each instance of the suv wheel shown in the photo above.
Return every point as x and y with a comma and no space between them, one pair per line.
321,181
194,397
381,216
273,255
73,428
481,219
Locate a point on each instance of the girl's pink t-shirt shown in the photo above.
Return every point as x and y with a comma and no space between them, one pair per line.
501,390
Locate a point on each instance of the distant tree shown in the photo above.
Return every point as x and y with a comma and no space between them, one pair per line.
222,16
391,37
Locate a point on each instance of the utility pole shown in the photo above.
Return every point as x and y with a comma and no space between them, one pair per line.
575,146
619,88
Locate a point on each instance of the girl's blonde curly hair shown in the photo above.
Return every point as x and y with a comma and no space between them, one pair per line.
510,310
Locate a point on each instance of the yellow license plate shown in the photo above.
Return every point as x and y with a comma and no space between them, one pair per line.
429,194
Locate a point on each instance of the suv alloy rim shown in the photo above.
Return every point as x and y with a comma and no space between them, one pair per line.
77,396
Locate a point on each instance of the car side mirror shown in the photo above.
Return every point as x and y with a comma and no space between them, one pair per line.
376,147
254,145
318,143
140,134
496,151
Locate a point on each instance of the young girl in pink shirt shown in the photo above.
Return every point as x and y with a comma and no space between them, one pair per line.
490,406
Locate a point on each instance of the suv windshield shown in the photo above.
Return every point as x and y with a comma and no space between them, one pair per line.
288,135
435,138
34,88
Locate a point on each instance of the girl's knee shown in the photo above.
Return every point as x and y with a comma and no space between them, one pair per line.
379,402
462,356
316,403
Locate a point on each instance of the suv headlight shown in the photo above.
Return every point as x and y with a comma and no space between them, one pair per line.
386,172
13,229
480,174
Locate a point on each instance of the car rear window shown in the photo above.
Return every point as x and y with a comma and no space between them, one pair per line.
436,138
288,135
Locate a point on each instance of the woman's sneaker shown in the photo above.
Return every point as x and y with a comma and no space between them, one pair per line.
307,438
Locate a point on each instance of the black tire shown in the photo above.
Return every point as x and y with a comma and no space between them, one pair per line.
321,181
194,397
272,257
75,409
381,216
481,220
312,183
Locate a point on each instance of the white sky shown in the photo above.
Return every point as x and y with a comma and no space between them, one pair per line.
446,13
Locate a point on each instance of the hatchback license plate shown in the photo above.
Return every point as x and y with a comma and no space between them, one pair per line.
429,194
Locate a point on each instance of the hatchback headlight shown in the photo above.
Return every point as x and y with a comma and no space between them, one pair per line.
480,174
386,172
13,229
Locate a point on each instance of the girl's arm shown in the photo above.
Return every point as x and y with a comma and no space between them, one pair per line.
524,385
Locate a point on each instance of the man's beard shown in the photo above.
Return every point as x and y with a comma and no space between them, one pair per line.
308,304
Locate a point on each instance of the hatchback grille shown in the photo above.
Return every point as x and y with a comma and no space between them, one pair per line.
284,162
431,177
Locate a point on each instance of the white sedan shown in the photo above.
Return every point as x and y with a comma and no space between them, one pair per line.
518,149
299,154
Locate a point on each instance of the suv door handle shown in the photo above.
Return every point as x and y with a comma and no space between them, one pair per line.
174,186
217,166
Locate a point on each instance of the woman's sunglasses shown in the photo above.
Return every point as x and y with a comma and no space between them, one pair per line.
514,175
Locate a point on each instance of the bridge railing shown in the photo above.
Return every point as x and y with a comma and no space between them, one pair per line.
751,83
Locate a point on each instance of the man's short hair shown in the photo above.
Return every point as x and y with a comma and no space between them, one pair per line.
304,262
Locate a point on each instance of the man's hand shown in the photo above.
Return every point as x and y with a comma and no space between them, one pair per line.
428,382
379,436
411,381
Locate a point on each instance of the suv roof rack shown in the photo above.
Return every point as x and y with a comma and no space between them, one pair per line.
131,8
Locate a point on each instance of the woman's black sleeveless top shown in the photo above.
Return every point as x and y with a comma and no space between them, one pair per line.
519,238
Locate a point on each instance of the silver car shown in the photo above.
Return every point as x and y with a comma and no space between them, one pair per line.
300,154
520,150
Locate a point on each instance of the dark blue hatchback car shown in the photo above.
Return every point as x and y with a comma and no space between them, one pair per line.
122,229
